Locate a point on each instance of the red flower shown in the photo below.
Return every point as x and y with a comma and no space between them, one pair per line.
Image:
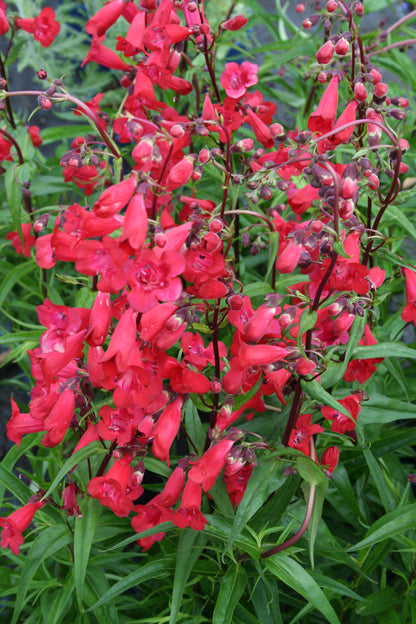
15,524
166,428
99,23
301,433
206,469
44,27
409,311
118,488
340,422
4,24
323,119
189,512
361,370
329,460
235,79
28,240
35,136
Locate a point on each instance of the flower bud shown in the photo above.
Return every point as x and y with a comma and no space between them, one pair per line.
325,53
42,74
300,8
360,92
235,23
44,102
331,6
342,46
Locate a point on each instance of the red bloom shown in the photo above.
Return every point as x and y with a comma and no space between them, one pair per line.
35,136
329,460
340,422
15,524
189,512
235,79
323,119
4,24
44,27
28,240
166,428
301,433
409,311
361,370
99,23
118,488
206,469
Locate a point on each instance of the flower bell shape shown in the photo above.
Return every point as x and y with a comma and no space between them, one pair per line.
15,524
409,311
322,120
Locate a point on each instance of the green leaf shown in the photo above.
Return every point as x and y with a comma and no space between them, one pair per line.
264,480
380,600
383,485
309,471
14,276
265,599
393,523
151,571
232,587
399,215
94,448
384,350
190,546
83,539
194,427
380,409
307,321
295,576
314,390
14,485
63,598
14,196
48,542
315,520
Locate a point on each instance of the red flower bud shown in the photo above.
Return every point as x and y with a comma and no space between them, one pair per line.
331,6
325,53
360,92
235,23
44,102
342,46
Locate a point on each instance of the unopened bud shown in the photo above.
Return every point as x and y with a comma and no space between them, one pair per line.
360,92
235,23
41,223
42,74
204,156
300,8
331,6
216,226
342,46
216,387
310,21
44,102
177,131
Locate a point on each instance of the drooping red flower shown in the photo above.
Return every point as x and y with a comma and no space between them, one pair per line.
28,240
44,27
166,428
118,488
14,525
189,512
35,136
340,422
302,432
206,469
409,311
322,120
329,460
361,370
99,23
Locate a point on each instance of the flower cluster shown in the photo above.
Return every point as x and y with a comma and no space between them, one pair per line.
169,324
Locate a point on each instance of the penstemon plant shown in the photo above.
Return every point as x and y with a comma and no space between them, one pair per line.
208,308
